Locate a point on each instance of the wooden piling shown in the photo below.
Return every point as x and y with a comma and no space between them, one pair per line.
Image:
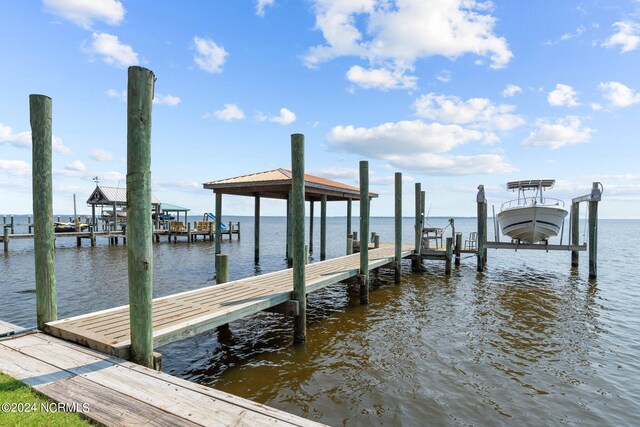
364,231
593,230
398,227
218,225
289,232
140,253
415,261
482,227
458,248
297,219
323,227
349,231
13,230
350,244
376,241
449,255
29,224
5,239
256,228
310,226
575,233
43,239
222,276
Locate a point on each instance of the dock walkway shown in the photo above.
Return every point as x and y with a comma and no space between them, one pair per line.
185,314
115,392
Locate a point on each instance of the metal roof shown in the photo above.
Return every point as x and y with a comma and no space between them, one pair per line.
172,208
277,184
531,183
109,195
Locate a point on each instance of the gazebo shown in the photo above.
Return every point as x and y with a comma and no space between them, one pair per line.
276,184
112,198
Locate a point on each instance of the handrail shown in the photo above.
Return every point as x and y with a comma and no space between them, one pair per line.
531,201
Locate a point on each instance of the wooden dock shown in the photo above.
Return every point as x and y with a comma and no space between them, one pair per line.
115,392
178,316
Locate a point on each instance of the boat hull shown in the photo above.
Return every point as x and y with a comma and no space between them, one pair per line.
531,224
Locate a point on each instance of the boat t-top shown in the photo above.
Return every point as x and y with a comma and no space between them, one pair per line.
532,217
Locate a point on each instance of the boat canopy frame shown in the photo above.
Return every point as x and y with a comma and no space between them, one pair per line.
531,184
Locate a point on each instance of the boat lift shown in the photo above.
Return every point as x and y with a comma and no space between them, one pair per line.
575,247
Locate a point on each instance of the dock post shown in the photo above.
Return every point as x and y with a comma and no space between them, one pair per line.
13,230
350,244
43,238
447,265
289,233
297,220
364,231
349,231
398,227
256,228
575,233
323,227
92,235
29,224
310,226
5,238
458,248
222,276
596,196
218,237
140,249
482,227
376,241
415,261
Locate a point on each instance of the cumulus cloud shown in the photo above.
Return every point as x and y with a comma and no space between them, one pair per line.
210,56
444,76
511,90
84,13
169,100
627,36
563,95
565,131
15,168
394,34
113,52
23,140
433,164
477,113
119,94
285,117
228,113
618,94
261,5
101,155
337,173
380,78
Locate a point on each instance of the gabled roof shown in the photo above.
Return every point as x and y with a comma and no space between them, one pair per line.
108,195
276,184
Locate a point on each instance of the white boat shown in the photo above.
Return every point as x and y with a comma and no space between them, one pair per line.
532,217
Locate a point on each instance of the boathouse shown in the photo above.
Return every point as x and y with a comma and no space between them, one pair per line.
277,184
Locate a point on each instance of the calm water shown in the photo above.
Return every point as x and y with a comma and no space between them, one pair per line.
528,342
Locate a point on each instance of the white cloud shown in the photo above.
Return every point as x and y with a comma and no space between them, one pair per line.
210,57
23,140
563,95
565,131
627,37
112,176
84,12
619,95
337,173
16,168
285,117
511,90
479,113
113,52
261,5
169,100
122,95
76,166
19,140
101,155
228,113
394,34
596,106
567,36
433,164
444,76
380,78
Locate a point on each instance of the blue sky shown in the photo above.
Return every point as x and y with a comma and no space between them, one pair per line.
453,93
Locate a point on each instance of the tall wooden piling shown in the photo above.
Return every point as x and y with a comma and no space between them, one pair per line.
482,227
222,276
349,231
575,233
593,230
364,231
398,227
297,219
323,227
458,248
140,253
415,261
289,248
311,226
5,238
256,228
218,225
43,238
449,255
